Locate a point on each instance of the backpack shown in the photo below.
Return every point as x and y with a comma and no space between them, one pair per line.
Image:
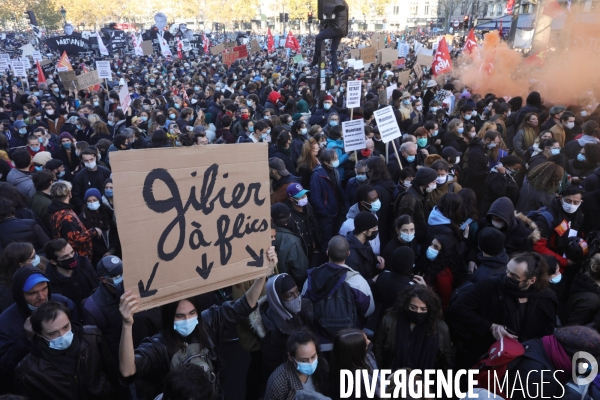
493,365
92,307
336,312
543,211
465,287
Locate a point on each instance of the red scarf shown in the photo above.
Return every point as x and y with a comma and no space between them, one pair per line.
558,357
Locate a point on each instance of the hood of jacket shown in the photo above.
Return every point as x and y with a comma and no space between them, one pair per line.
58,205
385,184
325,280
353,212
16,177
18,281
585,139
437,218
583,283
354,242
504,209
273,298
496,262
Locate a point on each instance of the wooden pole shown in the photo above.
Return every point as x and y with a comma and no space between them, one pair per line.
397,156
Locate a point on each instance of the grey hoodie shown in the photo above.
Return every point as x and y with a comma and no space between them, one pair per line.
22,182
348,226
273,298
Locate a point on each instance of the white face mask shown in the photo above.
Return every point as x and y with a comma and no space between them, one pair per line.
441,179
90,165
303,202
570,125
457,160
431,188
498,225
569,208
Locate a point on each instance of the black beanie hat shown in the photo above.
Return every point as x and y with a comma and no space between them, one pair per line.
402,260
284,283
424,177
364,221
491,241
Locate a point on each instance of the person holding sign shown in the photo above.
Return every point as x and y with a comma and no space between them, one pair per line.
188,335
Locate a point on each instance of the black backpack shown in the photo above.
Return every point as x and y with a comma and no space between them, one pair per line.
336,312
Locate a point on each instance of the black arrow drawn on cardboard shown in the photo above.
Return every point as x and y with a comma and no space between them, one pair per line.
147,292
259,261
205,270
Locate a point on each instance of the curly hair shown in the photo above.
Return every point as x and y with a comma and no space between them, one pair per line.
546,176
427,296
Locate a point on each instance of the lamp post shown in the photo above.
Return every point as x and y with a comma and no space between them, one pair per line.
63,12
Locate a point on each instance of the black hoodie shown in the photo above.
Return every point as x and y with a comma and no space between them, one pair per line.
79,285
488,267
385,191
14,345
584,301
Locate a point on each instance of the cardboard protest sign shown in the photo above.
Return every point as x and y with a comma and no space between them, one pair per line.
386,122
378,41
103,69
423,59
354,53
254,46
67,78
418,71
367,55
192,219
353,90
147,47
87,80
404,77
25,62
242,51
387,56
217,49
230,58
229,45
354,135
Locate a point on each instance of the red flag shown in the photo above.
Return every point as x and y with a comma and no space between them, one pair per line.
64,64
291,42
179,48
40,78
270,42
510,7
471,43
441,62
205,43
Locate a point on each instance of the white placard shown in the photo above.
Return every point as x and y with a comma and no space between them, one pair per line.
103,68
403,49
390,89
354,135
124,97
19,69
359,64
27,50
3,65
36,55
25,62
4,56
386,122
353,89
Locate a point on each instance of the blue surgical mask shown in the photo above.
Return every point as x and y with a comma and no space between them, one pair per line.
38,168
376,206
422,142
172,116
581,157
36,261
304,131
333,123
61,174
263,136
307,368
407,237
335,163
406,102
251,128
327,106
556,279
555,152
435,133
67,145
62,342
23,131
152,80
410,158
93,205
108,193
460,130
361,178
432,253
467,117
185,327
111,123
249,103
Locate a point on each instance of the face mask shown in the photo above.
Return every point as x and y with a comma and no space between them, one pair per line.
37,168
581,157
172,116
69,263
322,144
431,188
335,163
67,145
467,117
407,184
419,108
327,106
474,114
460,130
36,261
38,118
422,142
108,193
144,119
177,105
569,208
304,131
498,225
307,368
35,148
152,80
410,158
435,133
185,327
56,90
406,102
457,160
197,88
61,174
512,284
93,205
556,279
555,152
407,237
50,112
23,131
570,125
90,165
472,134
333,123
263,136
433,109
432,253
111,123
251,129
416,317
361,178
62,342
293,306
440,180
491,145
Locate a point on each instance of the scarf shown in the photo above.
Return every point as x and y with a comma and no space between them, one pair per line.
414,349
558,357
63,360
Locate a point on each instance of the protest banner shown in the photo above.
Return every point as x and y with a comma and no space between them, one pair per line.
26,62
218,49
423,59
68,78
4,56
192,221
229,45
242,51
386,122
401,63
124,97
230,58
254,46
36,55
298,59
418,71
367,55
389,90
353,90
19,69
387,56
27,50
103,68
354,53
359,64
403,49
354,135
87,80
418,48
404,77
3,65
48,67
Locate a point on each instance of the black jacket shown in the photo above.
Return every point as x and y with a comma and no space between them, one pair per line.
472,314
76,287
592,181
498,185
488,267
306,225
37,377
591,210
385,215
361,258
71,160
388,287
87,179
477,168
22,230
584,301
414,203
339,8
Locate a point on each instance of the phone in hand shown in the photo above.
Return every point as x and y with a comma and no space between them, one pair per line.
465,224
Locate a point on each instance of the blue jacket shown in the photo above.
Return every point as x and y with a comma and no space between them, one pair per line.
322,192
338,146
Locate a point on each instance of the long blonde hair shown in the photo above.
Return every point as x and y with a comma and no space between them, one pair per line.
530,133
307,158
